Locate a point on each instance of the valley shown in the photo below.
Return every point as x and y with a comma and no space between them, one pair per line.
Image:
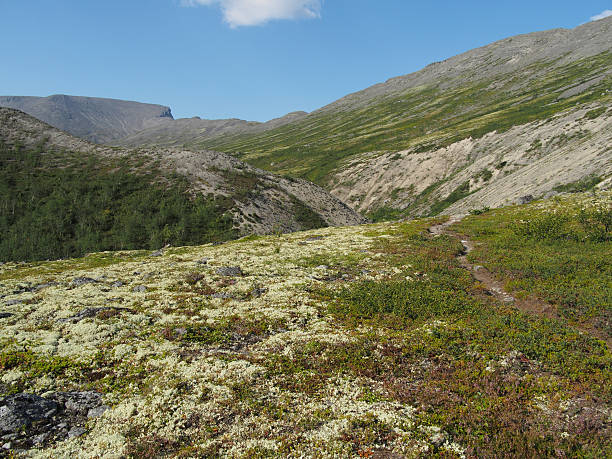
418,269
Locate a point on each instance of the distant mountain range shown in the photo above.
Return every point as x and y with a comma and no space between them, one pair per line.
527,115
112,121
94,119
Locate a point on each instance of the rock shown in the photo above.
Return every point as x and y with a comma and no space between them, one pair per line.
97,411
139,289
322,267
79,402
13,302
38,439
157,253
526,199
223,296
203,261
117,284
4,315
45,285
115,299
258,292
28,420
78,281
314,238
230,271
24,288
76,432
21,410
91,312
85,313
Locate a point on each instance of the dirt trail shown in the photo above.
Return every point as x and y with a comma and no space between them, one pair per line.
494,287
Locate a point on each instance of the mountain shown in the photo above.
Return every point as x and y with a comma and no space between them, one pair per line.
114,122
191,131
527,116
410,144
95,119
62,196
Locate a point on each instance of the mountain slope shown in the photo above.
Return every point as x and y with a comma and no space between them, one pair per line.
508,83
95,119
534,159
191,131
517,83
36,156
429,141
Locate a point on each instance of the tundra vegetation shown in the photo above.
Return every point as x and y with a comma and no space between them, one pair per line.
336,342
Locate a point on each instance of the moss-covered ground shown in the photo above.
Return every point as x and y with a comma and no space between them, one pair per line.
337,342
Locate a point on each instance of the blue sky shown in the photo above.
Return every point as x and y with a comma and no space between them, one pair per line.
250,59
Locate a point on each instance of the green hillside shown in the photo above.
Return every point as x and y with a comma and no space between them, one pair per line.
422,118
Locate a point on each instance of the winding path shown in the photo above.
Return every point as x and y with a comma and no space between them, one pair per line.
495,288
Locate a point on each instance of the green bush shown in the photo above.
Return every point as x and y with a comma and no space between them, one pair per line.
412,300
542,227
597,224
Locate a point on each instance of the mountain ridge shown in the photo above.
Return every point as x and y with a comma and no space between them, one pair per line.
257,201
517,83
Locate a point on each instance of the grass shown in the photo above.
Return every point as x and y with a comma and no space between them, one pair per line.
457,389
559,252
579,186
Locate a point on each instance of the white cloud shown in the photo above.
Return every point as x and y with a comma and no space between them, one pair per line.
254,12
603,14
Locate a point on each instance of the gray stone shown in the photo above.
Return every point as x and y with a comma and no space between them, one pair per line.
85,313
526,199
117,284
258,292
38,439
97,411
139,289
4,315
76,432
157,253
229,271
91,312
221,295
78,281
79,402
13,302
45,285
203,261
21,410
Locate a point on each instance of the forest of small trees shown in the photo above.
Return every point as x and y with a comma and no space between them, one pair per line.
60,205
